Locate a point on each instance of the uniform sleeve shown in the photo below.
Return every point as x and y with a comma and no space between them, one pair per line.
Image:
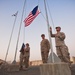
52,35
29,51
48,44
62,36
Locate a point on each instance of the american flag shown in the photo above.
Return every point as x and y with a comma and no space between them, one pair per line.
32,15
22,48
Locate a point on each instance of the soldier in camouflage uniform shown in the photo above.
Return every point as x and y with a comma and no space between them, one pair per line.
26,55
21,57
45,48
61,48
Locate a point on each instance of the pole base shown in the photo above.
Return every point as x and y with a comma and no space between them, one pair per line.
14,62
56,59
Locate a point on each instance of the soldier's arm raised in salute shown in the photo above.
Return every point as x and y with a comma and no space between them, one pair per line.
48,44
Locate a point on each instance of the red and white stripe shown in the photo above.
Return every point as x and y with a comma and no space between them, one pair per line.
30,18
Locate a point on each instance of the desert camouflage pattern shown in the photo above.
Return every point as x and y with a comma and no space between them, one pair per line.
45,48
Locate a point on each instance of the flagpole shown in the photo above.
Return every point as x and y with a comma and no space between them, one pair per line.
24,35
11,34
49,32
14,62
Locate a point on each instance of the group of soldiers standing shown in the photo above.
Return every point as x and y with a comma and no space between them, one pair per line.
61,49
24,56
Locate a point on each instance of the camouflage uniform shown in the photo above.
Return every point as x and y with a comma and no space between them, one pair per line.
26,56
61,48
21,60
45,47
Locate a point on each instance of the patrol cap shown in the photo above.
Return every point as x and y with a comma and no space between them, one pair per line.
27,44
42,35
57,27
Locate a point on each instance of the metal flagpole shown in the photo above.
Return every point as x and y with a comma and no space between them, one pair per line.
49,32
52,58
14,62
11,34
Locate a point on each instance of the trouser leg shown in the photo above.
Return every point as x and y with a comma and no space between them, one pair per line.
66,55
59,53
21,63
44,56
26,62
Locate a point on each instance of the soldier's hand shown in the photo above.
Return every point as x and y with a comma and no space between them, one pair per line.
50,28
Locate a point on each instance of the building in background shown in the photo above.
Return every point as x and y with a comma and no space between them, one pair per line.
73,59
35,62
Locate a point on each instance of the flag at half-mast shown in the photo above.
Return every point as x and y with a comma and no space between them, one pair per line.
32,15
15,14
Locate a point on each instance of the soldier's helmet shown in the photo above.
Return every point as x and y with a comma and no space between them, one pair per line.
42,35
57,27
27,44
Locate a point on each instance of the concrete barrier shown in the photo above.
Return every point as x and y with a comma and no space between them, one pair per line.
55,69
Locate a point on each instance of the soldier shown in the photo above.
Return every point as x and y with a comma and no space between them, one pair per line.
26,55
45,48
22,56
61,48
